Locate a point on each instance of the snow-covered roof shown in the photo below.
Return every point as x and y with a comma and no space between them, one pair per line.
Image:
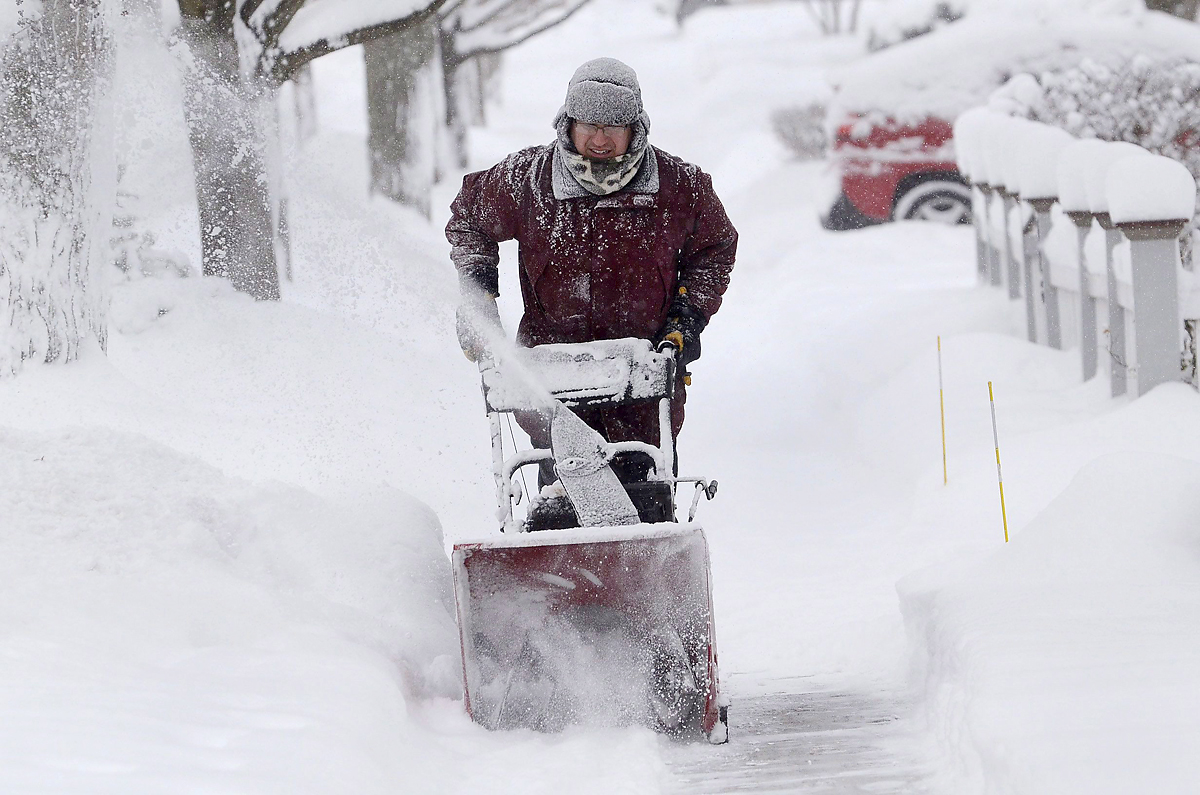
944,73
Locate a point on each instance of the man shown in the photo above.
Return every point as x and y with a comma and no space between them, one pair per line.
616,239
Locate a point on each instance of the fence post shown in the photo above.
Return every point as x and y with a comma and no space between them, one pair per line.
1028,253
1152,199
1041,209
978,200
1087,303
993,253
1154,252
1118,356
1010,200
1081,162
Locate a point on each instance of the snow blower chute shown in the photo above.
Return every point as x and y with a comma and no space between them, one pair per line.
595,606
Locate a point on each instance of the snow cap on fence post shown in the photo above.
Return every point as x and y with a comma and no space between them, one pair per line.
1076,162
1149,188
1035,148
994,145
996,139
1037,164
966,143
1019,95
1097,177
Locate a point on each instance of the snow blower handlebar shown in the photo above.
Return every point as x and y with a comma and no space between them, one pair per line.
595,374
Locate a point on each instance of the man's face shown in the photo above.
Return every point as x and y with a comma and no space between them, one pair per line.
597,142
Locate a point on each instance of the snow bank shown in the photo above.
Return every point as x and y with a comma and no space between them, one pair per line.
168,621
1077,161
1149,188
892,21
944,73
1065,661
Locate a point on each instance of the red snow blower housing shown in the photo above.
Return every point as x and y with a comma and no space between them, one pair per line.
595,607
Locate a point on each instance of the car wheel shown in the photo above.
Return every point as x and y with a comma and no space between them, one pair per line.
942,201
843,216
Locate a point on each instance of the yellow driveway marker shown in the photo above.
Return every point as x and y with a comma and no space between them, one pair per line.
942,405
999,476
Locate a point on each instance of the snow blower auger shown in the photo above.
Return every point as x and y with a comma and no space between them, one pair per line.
595,607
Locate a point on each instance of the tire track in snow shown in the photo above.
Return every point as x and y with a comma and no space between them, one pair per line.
843,742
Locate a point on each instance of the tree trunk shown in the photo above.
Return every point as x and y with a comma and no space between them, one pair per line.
464,98
490,66
405,89
226,116
686,8
474,77
855,6
304,94
57,184
1180,8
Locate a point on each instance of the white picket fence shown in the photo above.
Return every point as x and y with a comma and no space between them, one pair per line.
1116,288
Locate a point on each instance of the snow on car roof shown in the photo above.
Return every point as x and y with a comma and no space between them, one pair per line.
944,73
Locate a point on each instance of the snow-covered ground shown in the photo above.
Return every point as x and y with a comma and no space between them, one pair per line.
222,543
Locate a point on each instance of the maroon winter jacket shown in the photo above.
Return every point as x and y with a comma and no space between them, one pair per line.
595,267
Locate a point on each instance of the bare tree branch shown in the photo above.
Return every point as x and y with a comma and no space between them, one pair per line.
270,28
283,65
521,27
487,10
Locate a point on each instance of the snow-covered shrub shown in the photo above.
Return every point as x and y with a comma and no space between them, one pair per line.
802,130
56,181
1154,103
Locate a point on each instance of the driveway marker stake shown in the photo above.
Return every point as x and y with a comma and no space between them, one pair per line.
999,476
942,406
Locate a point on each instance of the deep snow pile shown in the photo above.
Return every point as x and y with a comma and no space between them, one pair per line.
956,68
168,624
1066,660
1062,661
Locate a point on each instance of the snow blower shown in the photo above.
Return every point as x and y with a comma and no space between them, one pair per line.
595,606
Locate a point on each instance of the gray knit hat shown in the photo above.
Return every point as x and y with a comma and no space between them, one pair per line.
604,91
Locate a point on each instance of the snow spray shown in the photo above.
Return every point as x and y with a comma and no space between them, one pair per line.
999,476
502,353
942,406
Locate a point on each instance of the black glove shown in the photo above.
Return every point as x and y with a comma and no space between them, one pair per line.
477,321
682,329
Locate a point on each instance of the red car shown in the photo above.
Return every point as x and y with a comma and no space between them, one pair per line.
893,155
890,171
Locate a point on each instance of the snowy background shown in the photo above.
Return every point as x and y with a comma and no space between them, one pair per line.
222,543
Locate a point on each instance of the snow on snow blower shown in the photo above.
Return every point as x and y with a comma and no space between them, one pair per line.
595,606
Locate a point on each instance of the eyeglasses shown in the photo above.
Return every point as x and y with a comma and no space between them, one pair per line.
609,130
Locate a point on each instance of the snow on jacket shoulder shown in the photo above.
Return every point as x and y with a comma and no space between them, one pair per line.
594,267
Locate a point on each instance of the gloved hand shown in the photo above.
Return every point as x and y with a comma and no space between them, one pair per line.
477,320
682,329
